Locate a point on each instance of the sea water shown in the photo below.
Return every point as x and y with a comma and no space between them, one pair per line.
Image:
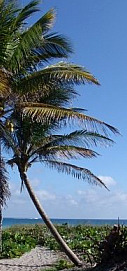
7,222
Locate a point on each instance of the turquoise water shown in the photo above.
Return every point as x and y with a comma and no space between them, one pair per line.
7,222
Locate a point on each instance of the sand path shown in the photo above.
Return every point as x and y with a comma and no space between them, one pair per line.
37,259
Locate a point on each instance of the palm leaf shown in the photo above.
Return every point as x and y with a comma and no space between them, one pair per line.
51,46
42,112
22,50
54,94
11,20
26,12
4,187
69,152
83,137
8,138
77,137
7,15
77,109
75,171
63,72
29,40
46,21
4,84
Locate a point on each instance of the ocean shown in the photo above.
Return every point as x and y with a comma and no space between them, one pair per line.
7,222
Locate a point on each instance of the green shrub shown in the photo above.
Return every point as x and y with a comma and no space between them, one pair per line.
84,240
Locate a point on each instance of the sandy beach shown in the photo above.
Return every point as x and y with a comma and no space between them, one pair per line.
41,258
37,259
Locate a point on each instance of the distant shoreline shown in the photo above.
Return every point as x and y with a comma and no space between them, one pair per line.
7,222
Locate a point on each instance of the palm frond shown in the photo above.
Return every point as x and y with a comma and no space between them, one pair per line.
78,137
4,84
86,138
76,172
68,152
41,112
4,187
53,94
12,162
28,41
6,135
65,73
1,3
56,95
24,13
46,21
77,109
10,29
22,50
7,16
51,46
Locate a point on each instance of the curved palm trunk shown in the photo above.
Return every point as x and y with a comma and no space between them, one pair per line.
47,221
0,203
0,228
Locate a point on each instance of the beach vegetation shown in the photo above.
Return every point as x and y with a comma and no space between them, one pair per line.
60,265
84,240
15,244
88,242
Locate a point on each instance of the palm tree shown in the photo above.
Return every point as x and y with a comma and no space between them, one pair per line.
33,142
24,78
41,93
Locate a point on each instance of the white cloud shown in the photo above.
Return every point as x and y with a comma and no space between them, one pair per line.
102,203
89,195
19,201
73,202
45,195
92,202
17,192
70,200
120,196
35,182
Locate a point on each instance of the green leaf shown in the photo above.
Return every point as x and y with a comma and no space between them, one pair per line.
63,72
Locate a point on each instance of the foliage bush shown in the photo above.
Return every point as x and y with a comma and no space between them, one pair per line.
60,265
84,240
20,239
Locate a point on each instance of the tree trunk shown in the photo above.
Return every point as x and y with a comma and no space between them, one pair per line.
0,228
0,202
47,221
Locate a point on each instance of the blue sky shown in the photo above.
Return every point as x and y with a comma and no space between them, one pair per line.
98,33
